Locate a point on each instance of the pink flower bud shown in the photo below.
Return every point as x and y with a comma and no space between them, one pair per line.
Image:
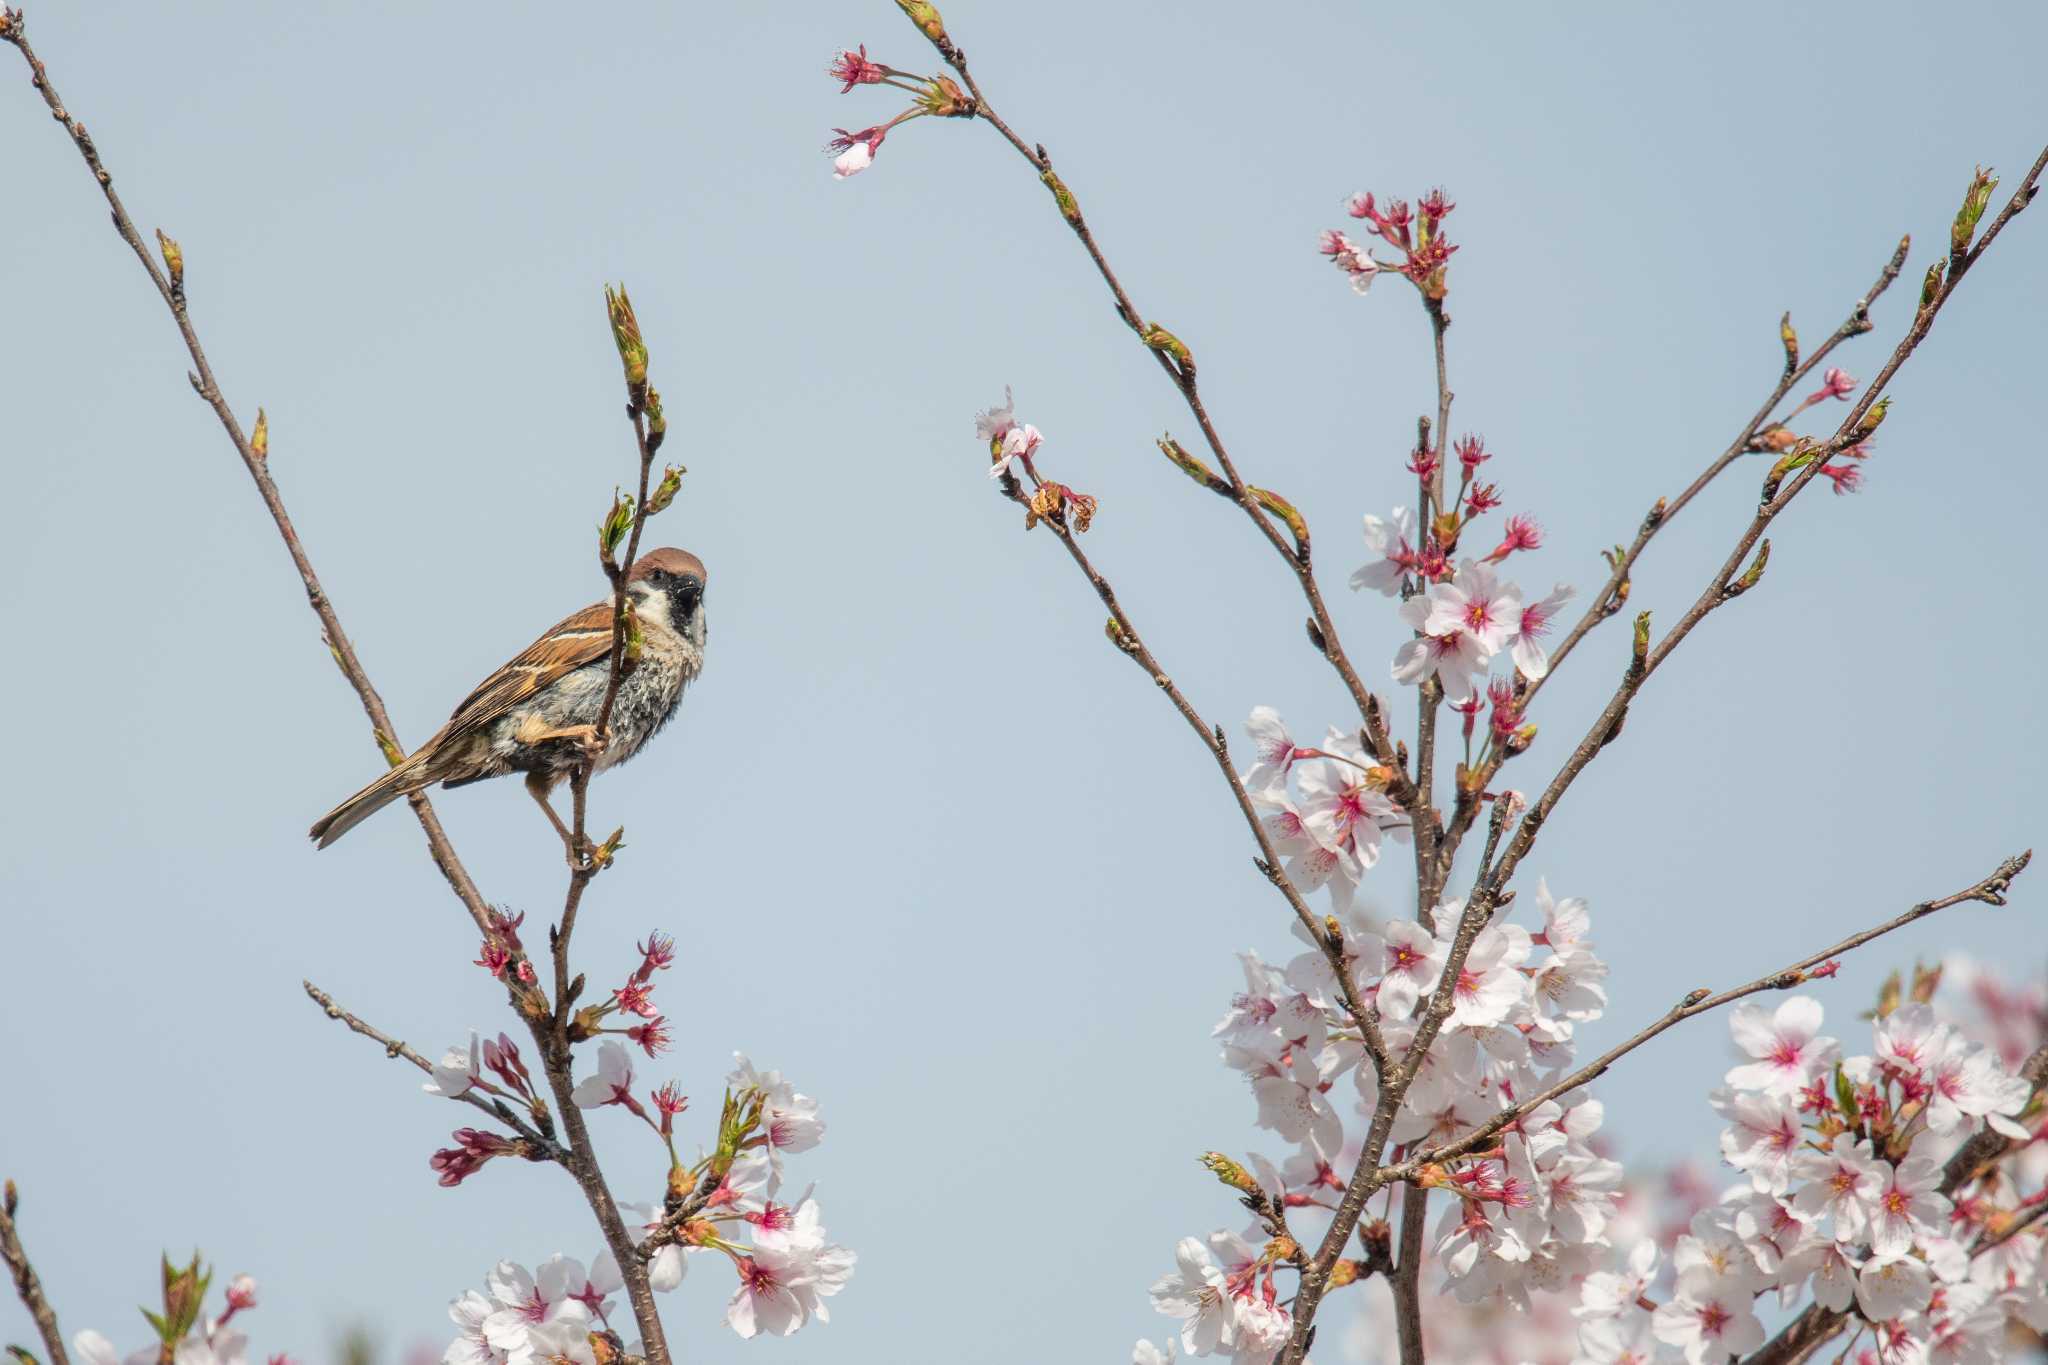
473,1149
241,1293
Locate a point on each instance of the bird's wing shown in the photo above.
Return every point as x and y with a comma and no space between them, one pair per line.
575,642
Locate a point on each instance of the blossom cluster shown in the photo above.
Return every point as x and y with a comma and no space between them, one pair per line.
728,1201
1416,233
1847,1197
935,96
1529,1213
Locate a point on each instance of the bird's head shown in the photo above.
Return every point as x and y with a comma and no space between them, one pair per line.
673,579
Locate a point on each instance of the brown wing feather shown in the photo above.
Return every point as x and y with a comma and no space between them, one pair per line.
577,640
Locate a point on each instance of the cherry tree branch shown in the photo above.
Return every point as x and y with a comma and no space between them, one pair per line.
172,289
1729,581
1989,891
1490,893
543,1142
1608,600
1123,633
26,1283
1178,363
169,283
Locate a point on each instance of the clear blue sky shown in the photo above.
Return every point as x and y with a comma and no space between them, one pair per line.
932,848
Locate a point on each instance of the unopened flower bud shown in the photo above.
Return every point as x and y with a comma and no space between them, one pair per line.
1229,1172
626,334
241,1293
926,17
1159,339
1284,510
1192,466
1070,209
665,492
611,532
943,98
259,439
1975,200
657,420
174,260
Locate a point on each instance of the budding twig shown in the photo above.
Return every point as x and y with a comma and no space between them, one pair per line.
208,388
26,1283
1178,364
1608,599
1126,638
580,1158
1989,891
398,1050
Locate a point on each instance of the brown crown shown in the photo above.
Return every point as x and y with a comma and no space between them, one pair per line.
669,560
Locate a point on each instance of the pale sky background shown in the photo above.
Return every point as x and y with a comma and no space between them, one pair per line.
931,846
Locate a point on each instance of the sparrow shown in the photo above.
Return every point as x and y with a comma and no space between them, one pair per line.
538,714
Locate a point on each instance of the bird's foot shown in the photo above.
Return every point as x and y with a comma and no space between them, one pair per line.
585,738
581,852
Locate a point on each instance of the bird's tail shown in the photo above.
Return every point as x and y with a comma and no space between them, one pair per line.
403,780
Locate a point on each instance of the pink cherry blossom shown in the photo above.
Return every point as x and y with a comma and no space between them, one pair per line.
1391,545
1785,1043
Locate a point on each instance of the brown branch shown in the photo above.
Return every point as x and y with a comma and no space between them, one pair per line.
1179,366
1722,587
1607,601
1125,637
26,1282
545,1146
582,1162
173,293
1490,890
1990,891
1407,1277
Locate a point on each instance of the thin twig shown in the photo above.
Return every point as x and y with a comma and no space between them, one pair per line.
1719,587
208,389
398,1050
1125,637
1179,366
1990,891
26,1282
1607,601
1490,889
582,1160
